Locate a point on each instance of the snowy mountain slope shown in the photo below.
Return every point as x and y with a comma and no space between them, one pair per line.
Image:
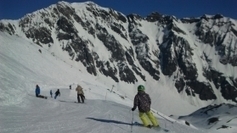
105,110
220,118
35,63
23,61
192,59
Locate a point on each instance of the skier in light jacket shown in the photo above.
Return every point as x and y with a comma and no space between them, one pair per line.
80,94
143,101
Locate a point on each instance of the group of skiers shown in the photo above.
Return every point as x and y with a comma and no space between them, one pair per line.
37,93
57,93
142,100
79,89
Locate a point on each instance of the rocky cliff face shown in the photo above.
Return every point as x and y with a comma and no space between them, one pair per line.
198,54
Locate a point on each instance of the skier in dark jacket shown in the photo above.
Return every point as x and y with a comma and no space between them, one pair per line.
51,93
37,92
143,101
57,93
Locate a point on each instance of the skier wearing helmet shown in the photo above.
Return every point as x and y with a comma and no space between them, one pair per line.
143,101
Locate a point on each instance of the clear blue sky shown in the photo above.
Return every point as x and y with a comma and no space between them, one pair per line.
15,9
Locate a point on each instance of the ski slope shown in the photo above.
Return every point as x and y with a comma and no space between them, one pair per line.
63,115
105,110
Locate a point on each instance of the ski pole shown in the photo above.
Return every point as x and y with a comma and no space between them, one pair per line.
132,121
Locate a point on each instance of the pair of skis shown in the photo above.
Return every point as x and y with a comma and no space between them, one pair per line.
153,128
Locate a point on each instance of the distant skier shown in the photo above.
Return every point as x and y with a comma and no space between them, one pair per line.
80,94
143,101
37,92
70,87
57,93
51,93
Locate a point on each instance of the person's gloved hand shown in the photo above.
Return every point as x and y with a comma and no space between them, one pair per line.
133,109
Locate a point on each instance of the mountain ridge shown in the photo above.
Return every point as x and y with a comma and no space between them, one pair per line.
197,54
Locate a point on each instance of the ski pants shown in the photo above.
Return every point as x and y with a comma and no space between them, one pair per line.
55,96
82,98
146,116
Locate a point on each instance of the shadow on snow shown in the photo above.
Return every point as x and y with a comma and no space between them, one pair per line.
109,121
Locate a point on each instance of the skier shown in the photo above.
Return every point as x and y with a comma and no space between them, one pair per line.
51,93
80,94
37,92
70,87
143,101
57,93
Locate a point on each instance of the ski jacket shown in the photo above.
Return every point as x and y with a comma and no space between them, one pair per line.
79,90
37,90
143,101
57,93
